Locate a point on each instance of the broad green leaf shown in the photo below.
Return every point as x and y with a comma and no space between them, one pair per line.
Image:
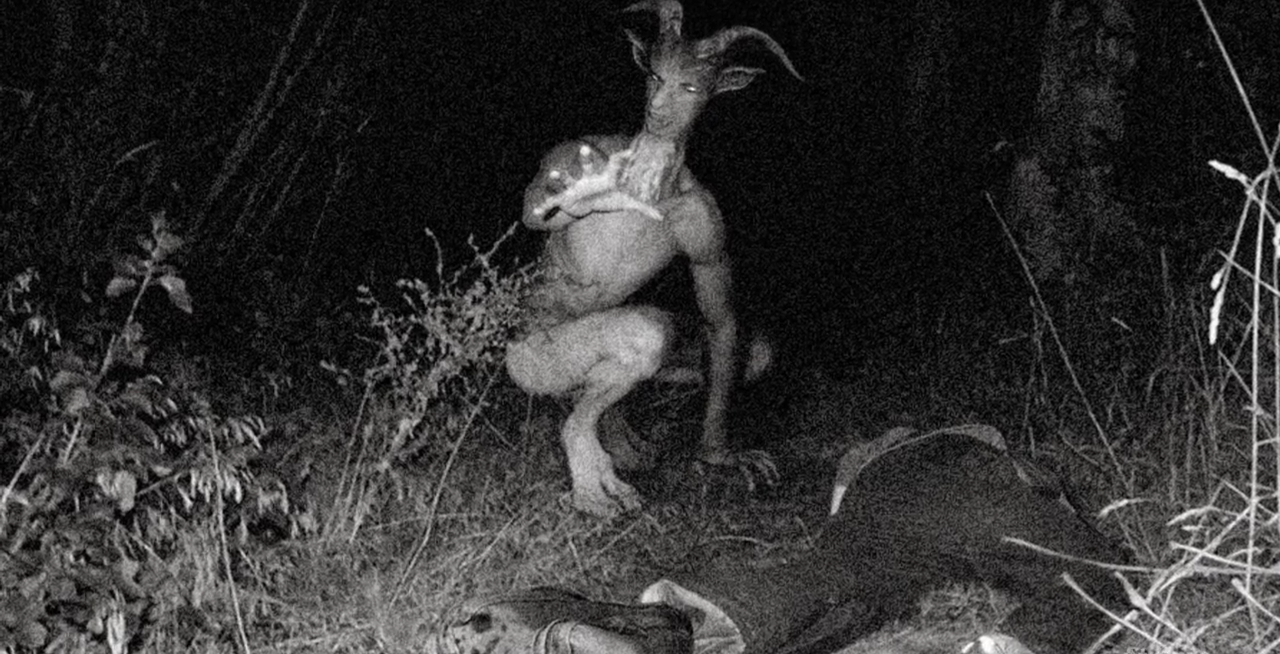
120,285
75,401
120,486
166,244
177,290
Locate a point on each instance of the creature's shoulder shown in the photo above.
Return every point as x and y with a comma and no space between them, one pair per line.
686,183
697,226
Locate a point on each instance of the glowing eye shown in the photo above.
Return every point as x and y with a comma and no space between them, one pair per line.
689,88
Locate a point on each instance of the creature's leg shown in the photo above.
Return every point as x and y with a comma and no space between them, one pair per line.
624,445
601,356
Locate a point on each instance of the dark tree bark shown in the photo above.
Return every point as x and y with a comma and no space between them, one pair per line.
927,122
1080,239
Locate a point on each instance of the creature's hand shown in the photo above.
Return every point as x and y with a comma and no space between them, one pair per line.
591,188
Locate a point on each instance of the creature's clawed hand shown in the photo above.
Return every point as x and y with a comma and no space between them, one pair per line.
753,464
589,185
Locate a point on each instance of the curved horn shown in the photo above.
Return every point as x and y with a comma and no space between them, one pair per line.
716,44
670,16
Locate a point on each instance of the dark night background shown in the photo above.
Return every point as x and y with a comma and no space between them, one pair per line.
842,243
361,465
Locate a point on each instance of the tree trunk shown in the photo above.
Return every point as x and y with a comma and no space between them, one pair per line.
1079,239
928,117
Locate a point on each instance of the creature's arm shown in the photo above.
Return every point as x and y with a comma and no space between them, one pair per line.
699,228
575,181
713,285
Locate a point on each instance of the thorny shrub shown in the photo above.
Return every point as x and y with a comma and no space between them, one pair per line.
109,475
440,350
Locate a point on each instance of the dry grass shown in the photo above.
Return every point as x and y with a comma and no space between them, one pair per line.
1212,470
504,523
415,496
435,482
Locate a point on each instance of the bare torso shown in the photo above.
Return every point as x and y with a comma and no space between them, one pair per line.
599,261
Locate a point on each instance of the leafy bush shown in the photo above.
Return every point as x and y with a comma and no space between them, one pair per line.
126,500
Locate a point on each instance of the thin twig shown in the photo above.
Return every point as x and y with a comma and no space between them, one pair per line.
255,121
429,529
13,481
1057,338
226,550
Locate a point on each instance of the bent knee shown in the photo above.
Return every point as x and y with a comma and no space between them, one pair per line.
642,337
619,346
534,371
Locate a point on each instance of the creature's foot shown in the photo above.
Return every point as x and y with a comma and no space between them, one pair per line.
627,449
630,454
609,498
753,464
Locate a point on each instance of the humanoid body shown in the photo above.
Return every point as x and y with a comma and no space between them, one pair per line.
601,248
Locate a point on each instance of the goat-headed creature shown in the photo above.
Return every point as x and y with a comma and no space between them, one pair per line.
604,243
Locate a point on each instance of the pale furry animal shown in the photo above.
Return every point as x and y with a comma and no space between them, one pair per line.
586,171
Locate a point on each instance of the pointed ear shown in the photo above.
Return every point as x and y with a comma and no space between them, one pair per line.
639,51
733,78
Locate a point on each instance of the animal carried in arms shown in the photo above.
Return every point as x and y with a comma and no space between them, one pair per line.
618,211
